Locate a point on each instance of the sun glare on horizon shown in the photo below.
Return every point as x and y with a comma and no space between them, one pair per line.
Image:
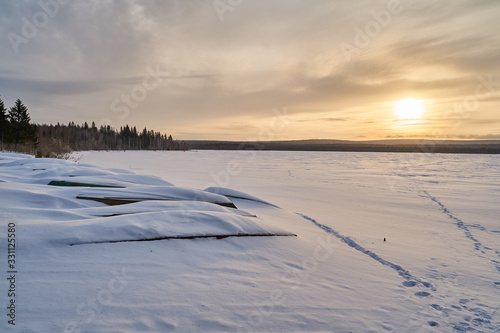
409,108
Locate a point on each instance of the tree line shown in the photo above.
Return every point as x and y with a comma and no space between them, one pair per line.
17,133
410,146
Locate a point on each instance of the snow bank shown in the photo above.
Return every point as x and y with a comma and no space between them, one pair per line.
235,194
61,198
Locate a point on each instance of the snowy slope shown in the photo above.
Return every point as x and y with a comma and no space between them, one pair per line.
437,271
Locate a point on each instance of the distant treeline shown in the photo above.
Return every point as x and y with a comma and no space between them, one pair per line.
17,133
88,137
409,146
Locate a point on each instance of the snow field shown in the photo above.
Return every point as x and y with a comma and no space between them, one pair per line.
435,273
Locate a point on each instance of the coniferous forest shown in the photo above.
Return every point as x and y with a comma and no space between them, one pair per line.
17,133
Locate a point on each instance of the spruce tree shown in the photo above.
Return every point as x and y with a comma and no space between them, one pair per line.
21,128
4,124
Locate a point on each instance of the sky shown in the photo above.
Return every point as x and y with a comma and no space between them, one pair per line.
255,69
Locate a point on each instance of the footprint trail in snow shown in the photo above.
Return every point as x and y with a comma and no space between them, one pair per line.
459,314
411,280
478,246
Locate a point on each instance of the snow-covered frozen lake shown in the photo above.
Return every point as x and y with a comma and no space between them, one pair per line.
384,243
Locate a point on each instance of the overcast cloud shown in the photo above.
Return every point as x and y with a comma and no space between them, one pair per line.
209,69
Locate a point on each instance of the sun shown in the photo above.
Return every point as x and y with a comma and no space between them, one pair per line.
409,108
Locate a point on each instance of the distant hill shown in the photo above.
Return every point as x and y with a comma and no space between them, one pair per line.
406,146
